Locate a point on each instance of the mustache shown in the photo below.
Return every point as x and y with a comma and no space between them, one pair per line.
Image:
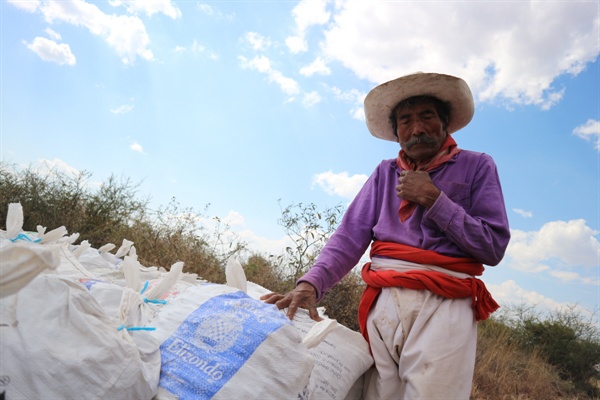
421,139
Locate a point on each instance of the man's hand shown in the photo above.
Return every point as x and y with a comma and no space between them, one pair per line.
417,187
304,295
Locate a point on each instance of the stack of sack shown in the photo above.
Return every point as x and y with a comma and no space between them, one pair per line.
79,322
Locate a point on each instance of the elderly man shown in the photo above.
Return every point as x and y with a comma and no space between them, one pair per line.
433,216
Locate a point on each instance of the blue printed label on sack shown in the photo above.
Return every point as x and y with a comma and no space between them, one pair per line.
89,282
214,342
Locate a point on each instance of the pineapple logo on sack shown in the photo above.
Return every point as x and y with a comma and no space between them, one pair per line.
217,333
214,342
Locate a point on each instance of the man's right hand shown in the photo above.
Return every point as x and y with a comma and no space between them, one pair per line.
304,295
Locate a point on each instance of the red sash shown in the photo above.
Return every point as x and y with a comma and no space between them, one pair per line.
437,282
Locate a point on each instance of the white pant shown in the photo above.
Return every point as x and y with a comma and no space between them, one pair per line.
423,345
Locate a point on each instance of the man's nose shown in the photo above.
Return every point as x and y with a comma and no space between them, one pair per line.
417,128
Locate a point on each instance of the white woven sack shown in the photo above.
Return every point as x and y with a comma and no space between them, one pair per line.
341,358
21,262
58,343
218,343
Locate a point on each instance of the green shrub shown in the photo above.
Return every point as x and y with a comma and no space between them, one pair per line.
566,339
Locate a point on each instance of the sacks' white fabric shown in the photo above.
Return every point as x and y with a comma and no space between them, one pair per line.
14,220
81,248
216,342
56,235
235,276
167,281
21,262
121,303
341,357
340,360
69,265
318,332
124,249
65,347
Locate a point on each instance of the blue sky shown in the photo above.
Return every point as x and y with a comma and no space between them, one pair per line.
238,104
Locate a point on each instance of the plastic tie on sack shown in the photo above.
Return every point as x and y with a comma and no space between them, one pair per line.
145,287
154,301
135,328
25,237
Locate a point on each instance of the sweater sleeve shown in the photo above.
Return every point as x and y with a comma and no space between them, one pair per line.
481,231
349,242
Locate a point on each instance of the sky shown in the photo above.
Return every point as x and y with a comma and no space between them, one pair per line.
247,106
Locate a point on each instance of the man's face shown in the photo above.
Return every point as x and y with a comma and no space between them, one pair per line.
420,130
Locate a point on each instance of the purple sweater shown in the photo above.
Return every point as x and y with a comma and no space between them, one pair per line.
467,220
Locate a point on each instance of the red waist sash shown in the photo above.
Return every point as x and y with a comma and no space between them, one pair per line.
437,282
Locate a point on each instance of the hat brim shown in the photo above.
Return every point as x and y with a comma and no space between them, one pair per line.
382,99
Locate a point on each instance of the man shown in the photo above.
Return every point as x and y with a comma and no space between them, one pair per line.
433,216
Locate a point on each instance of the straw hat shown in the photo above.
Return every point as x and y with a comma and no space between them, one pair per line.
382,99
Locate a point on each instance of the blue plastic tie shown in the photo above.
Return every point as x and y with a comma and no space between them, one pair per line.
145,287
156,301
136,328
22,236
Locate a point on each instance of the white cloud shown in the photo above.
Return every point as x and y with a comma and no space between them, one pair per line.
259,63
26,5
570,276
49,50
52,34
511,51
340,184
45,166
135,146
257,41
149,7
510,293
310,99
195,47
123,109
558,248
237,231
213,12
523,213
589,131
318,66
306,14
296,44
48,168
263,64
356,98
125,34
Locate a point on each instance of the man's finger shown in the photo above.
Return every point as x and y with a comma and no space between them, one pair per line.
314,314
292,308
271,298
